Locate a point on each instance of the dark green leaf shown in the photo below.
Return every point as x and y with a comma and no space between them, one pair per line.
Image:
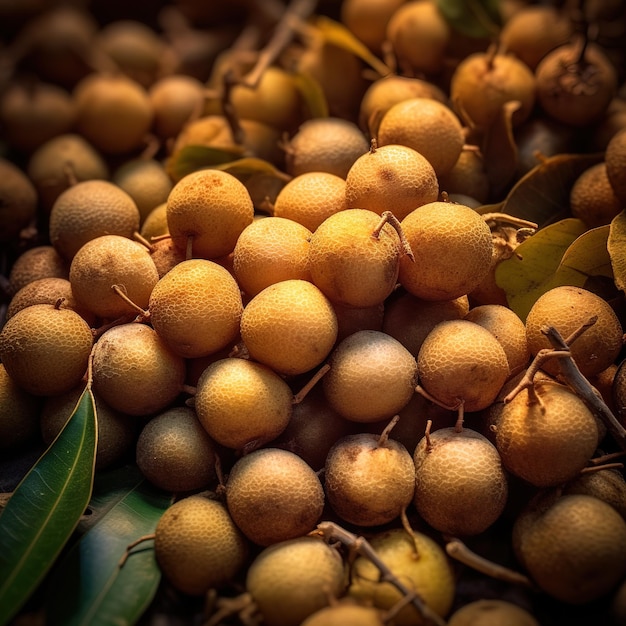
474,18
46,507
616,246
531,271
89,587
193,158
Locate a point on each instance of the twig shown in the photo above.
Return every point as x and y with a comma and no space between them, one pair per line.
333,532
298,397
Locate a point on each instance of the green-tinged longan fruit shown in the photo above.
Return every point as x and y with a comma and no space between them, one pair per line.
418,561
175,453
392,178
116,432
274,495
146,182
18,201
134,371
155,223
369,479
35,263
460,485
45,349
567,308
91,209
196,308
545,435
351,265
452,245
113,112
19,413
241,403
372,376
615,160
289,326
198,546
53,166
107,261
271,250
325,144
429,127
491,612
212,207
506,326
460,361
345,613
292,579
593,199
573,547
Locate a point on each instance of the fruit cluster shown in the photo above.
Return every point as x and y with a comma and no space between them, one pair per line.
267,237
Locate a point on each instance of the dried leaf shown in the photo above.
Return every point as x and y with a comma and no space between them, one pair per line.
193,158
616,246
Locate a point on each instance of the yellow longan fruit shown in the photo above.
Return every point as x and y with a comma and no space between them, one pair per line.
45,349
345,614
491,612
196,308
211,207
198,546
367,20
273,495
452,246
241,403
567,308
310,198
271,250
155,223
134,371
429,127
460,361
90,209
290,326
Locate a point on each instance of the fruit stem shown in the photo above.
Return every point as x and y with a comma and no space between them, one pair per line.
419,389
457,550
598,468
384,436
330,531
429,443
508,219
189,248
607,458
243,604
312,382
387,217
132,545
121,292
143,241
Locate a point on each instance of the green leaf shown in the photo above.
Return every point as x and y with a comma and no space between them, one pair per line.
474,18
46,507
251,166
338,35
616,246
531,271
89,587
193,158
312,94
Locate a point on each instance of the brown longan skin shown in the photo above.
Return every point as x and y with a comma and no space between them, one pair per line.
273,495
615,159
18,200
35,263
593,199
19,413
491,612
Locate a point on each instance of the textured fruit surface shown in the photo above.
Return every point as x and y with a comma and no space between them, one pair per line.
491,613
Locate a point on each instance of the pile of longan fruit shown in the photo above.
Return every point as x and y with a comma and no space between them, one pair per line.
259,231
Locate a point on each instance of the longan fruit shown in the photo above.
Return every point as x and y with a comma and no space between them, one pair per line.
273,495
155,223
567,308
45,349
241,403
460,361
467,176
113,112
345,614
491,612
461,487
351,265
271,250
165,255
573,547
372,376
292,579
196,308
90,209
575,90
327,144
419,35
351,319
197,545
19,413
546,435
369,479
367,20
108,261
134,371
18,201
392,178
592,198
212,207
289,326
116,432
35,263
429,127
175,453
607,484
452,246
615,160
65,158
484,81
310,198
